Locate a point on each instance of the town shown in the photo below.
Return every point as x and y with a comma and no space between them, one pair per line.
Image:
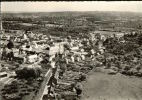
48,56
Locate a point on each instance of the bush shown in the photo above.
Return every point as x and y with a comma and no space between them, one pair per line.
27,72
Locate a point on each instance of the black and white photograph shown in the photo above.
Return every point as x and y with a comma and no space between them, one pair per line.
71,50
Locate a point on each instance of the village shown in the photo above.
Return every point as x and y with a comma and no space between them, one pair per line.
40,54
70,56
28,61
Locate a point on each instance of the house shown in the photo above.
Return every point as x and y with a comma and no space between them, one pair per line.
119,35
103,37
97,36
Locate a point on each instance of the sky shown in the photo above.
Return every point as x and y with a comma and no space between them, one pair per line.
131,6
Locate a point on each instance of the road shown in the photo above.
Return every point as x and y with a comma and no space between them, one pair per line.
102,86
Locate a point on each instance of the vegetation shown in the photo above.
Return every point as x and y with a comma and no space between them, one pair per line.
127,55
27,72
72,23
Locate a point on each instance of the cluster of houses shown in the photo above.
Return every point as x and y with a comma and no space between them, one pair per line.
41,44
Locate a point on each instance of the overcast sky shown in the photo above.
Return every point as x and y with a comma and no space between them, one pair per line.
133,6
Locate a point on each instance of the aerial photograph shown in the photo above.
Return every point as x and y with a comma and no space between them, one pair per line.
90,50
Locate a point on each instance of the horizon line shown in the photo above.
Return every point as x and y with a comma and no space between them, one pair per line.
64,11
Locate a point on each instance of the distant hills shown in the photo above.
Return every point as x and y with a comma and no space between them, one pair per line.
74,13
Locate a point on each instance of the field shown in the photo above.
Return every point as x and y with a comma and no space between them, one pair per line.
101,86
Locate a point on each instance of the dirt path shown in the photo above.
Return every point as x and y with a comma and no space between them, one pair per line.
101,86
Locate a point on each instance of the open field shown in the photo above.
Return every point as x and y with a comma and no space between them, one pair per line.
101,86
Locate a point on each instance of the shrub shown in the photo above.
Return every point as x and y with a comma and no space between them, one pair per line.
27,72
